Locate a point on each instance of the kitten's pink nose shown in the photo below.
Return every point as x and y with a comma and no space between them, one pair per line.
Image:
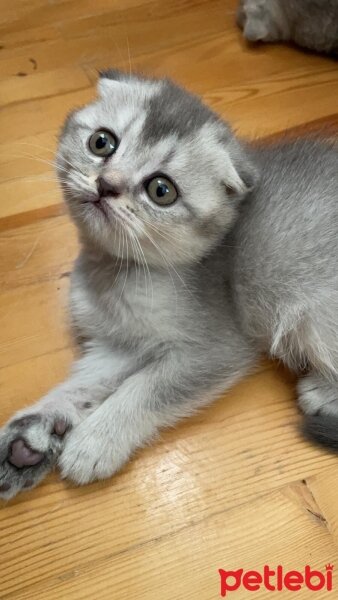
106,188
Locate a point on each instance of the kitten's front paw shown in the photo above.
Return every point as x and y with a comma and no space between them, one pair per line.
29,447
88,455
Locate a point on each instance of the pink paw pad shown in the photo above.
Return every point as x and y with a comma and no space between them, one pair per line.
22,456
60,427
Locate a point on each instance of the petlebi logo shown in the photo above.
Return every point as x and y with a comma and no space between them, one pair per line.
276,579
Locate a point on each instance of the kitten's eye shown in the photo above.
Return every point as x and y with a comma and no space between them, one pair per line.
102,143
161,190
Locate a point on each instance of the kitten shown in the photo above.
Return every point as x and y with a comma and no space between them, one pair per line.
312,24
198,253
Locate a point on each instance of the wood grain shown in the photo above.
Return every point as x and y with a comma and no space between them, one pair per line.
236,486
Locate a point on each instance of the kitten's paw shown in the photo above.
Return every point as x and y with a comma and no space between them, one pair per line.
318,396
29,446
257,20
89,456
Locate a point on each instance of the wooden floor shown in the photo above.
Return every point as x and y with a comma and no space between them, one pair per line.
235,487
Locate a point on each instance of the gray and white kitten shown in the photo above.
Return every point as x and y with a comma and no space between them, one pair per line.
312,24
198,253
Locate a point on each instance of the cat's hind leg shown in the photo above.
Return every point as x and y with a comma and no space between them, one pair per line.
318,399
310,341
318,396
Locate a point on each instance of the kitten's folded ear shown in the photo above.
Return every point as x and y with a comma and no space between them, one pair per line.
114,75
241,174
112,80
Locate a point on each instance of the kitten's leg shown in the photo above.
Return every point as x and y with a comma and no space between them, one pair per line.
32,440
318,399
160,394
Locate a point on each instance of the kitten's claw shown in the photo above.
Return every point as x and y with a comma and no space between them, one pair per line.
29,448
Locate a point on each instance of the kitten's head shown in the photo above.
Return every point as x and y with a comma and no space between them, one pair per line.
263,20
147,169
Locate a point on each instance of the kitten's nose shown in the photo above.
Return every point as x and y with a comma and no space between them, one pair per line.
106,188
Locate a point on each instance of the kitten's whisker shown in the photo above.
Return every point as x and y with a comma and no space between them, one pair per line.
171,239
139,262
51,150
129,229
142,264
92,70
118,251
161,253
72,166
121,258
135,257
121,56
137,224
142,261
25,179
170,265
129,58
166,263
166,236
145,266
115,230
37,158
50,194
42,160
127,271
53,163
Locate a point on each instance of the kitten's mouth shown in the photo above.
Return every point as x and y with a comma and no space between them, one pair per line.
102,205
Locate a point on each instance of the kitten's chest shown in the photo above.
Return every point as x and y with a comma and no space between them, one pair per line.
126,307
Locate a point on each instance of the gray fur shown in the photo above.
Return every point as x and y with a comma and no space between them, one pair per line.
176,303
312,24
183,115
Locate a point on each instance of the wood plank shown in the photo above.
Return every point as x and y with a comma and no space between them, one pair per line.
175,473
39,85
237,485
188,560
32,320
42,251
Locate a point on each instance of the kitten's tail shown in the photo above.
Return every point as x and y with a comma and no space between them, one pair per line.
322,429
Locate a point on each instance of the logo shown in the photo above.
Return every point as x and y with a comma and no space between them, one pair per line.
276,580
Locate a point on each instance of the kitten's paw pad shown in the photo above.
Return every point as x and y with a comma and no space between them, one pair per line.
21,455
60,427
29,447
316,396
